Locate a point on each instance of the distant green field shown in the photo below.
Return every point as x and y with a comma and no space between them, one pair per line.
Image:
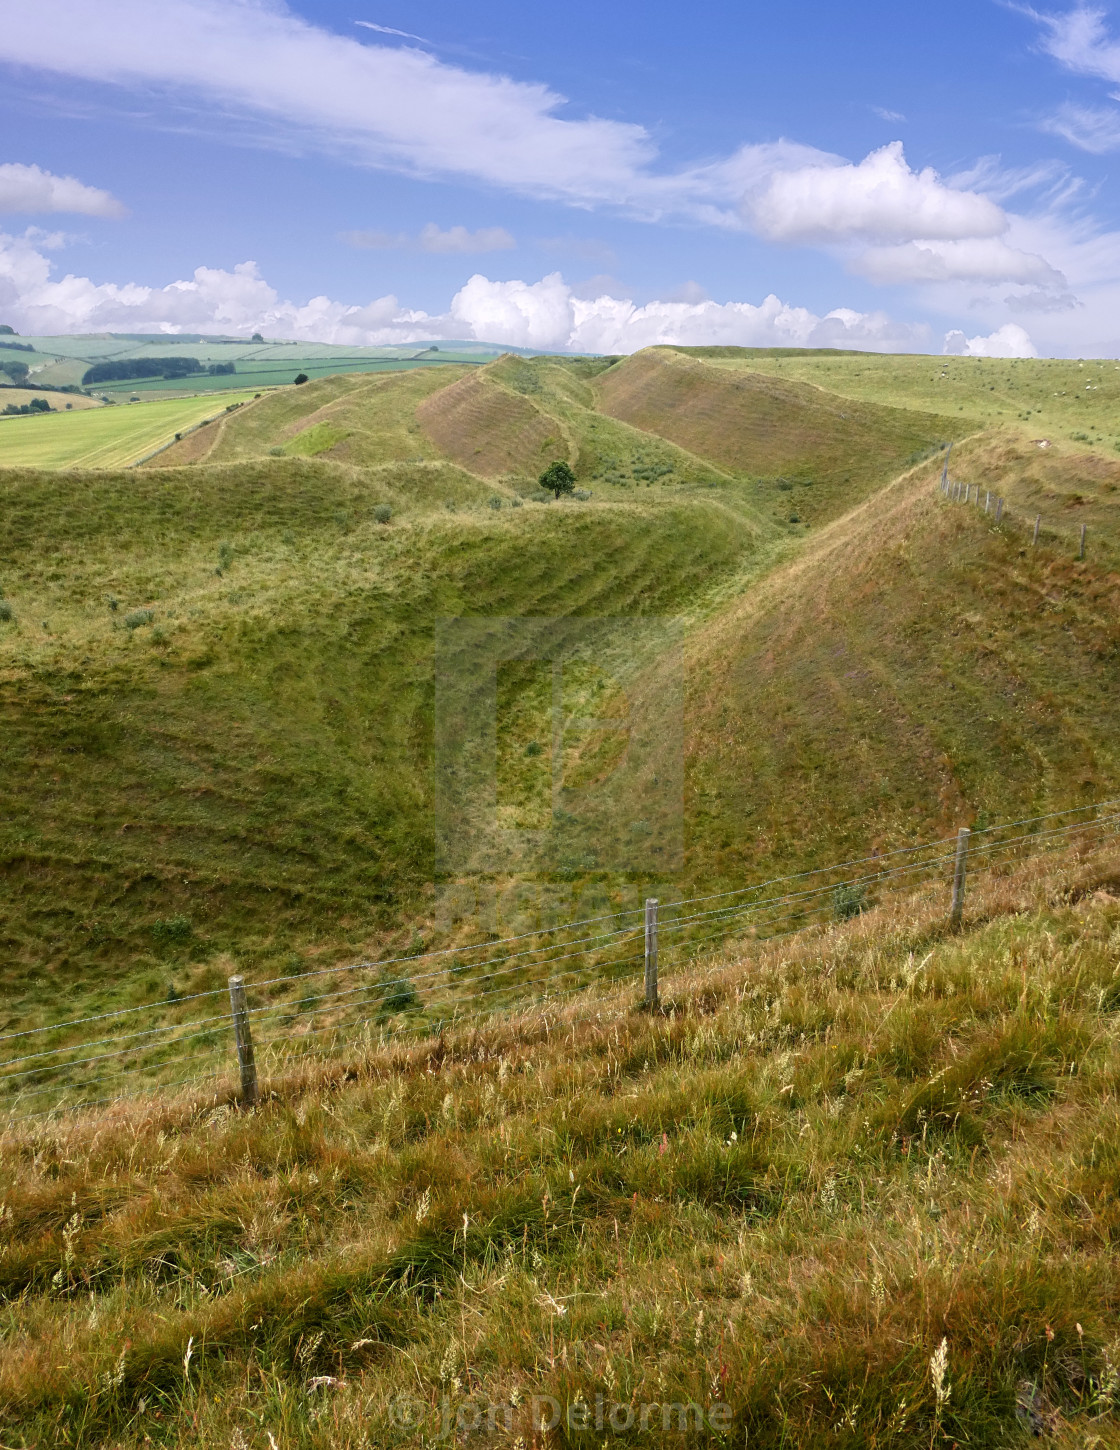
60,361
103,437
274,374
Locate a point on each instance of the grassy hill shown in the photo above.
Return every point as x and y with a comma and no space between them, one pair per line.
858,1189
64,361
216,671
858,1186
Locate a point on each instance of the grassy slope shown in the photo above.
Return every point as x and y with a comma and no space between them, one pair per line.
353,418
809,452
105,437
258,756
1045,397
828,1160
912,668
259,760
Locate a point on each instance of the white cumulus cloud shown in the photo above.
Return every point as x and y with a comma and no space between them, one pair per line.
33,190
980,259
549,314
1008,341
881,199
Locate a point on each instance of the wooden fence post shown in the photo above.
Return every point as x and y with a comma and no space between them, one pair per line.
1037,526
945,471
244,1039
999,509
958,878
651,953
988,501
1081,553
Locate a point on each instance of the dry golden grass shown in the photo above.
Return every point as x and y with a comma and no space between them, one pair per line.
490,430
828,1157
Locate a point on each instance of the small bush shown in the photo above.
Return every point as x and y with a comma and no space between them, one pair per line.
382,513
397,995
225,555
276,452
848,900
6,615
138,618
515,503
173,931
300,378
495,502
534,747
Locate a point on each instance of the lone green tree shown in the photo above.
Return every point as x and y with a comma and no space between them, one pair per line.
558,478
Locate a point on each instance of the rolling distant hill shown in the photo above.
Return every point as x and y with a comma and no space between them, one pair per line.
255,753
63,361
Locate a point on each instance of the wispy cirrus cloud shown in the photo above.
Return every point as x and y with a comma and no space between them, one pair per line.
454,241
1081,42
295,83
1095,129
388,30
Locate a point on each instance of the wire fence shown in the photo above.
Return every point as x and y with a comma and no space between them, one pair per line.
1041,530
90,1061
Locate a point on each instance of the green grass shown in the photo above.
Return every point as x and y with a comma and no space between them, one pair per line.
1043,398
820,1164
826,1164
104,437
258,756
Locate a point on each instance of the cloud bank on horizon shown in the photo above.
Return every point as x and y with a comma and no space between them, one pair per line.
547,315
1010,248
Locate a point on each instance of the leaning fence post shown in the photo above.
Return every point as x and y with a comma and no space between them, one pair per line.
1037,526
1081,553
244,1039
958,877
651,952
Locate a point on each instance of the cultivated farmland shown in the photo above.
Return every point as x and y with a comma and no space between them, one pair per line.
112,437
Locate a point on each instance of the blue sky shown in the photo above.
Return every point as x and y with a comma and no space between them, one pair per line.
895,177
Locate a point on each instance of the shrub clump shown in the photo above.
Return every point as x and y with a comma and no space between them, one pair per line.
138,618
172,931
382,513
848,900
6,613
397,995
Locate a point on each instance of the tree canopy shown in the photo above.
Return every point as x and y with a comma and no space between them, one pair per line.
558,478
